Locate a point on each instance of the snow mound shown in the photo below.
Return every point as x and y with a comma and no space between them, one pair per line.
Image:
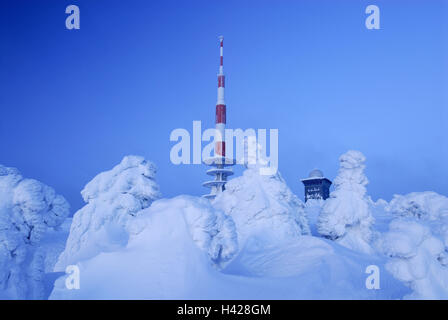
346,215
211,230
416,258
264,209
29,212
172,252
113,198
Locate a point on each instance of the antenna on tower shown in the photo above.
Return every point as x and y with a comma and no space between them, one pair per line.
221,54
219,161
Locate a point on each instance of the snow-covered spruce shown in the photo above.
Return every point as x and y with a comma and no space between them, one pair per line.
113,198
346,215
29,211
421,205
416,258
264,209
428,207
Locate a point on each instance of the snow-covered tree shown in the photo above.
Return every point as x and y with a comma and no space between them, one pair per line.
428,207
417,258
346,216
264,209
421,205
113,197
29,210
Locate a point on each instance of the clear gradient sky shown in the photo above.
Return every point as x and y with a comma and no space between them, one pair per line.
74,102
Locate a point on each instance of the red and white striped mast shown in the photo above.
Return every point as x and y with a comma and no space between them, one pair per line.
220,122
219,161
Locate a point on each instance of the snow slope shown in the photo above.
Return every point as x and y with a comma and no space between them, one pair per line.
315,268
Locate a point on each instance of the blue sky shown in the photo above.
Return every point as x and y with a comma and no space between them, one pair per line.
74,102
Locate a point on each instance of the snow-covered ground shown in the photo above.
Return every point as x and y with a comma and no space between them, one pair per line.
257,240
171,252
